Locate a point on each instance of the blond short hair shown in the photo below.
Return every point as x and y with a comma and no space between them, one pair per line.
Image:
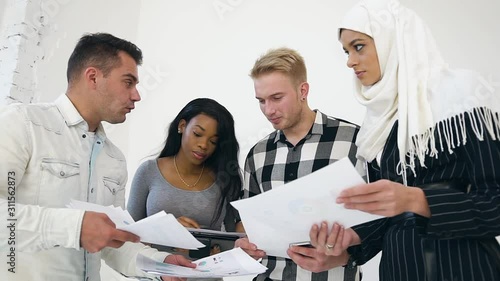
284,60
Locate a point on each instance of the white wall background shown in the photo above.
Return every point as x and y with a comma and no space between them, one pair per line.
206,48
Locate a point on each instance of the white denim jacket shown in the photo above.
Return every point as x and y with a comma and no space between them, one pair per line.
47,158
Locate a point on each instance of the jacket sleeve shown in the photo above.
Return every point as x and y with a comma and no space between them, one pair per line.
124,258
371,233
474,212
30,228
372,237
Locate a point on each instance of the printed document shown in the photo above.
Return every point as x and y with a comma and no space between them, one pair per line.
284,215
234,262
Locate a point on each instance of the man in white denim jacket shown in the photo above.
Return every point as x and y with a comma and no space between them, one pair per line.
51,153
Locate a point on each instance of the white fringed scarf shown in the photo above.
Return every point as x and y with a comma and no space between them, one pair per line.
417,88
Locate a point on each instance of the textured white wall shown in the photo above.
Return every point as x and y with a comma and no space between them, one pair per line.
21,28
2,8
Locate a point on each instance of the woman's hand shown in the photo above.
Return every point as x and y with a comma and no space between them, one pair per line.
385,198
315,261
177,260
250,248
335,242
187,222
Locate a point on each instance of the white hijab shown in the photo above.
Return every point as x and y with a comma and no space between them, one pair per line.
417,88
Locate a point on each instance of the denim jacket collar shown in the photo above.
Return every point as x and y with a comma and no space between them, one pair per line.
73,118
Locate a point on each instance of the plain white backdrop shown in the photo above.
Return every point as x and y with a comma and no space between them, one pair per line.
205,48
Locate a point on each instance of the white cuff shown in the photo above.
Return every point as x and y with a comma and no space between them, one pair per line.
62,228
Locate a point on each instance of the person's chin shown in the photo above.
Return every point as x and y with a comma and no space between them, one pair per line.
369,82
117,120
278,126
122,119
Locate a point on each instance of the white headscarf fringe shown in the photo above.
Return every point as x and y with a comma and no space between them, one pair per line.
481,119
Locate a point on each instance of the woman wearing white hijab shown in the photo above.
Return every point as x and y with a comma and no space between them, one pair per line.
431,137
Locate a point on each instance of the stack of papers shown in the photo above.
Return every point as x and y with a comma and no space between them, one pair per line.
119,216
234,262
276,218
160,228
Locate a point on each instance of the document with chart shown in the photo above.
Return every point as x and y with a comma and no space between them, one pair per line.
234,262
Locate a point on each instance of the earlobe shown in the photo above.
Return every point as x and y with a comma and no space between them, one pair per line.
304,91
181,126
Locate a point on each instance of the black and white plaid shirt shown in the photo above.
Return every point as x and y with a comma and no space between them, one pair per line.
274,161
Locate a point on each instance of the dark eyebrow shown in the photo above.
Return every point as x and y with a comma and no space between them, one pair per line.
131,76
203,129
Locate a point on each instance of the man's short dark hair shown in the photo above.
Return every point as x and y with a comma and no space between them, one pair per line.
100,50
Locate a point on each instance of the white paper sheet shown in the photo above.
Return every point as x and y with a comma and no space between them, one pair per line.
119,216
234,262
284,215
160,228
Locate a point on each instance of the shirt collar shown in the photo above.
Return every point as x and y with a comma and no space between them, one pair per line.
73,118
316,129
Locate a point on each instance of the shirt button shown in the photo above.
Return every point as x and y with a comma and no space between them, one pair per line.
62,173
98,142
92,190
84,136
114,191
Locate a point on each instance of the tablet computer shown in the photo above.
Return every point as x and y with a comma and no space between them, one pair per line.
214,234
212,238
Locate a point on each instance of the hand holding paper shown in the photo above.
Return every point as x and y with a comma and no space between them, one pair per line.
160,228
250,248
285,215
98,232
234,262
338,239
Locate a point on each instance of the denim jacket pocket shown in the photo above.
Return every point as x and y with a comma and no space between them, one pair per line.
58,178
112,185
60,168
